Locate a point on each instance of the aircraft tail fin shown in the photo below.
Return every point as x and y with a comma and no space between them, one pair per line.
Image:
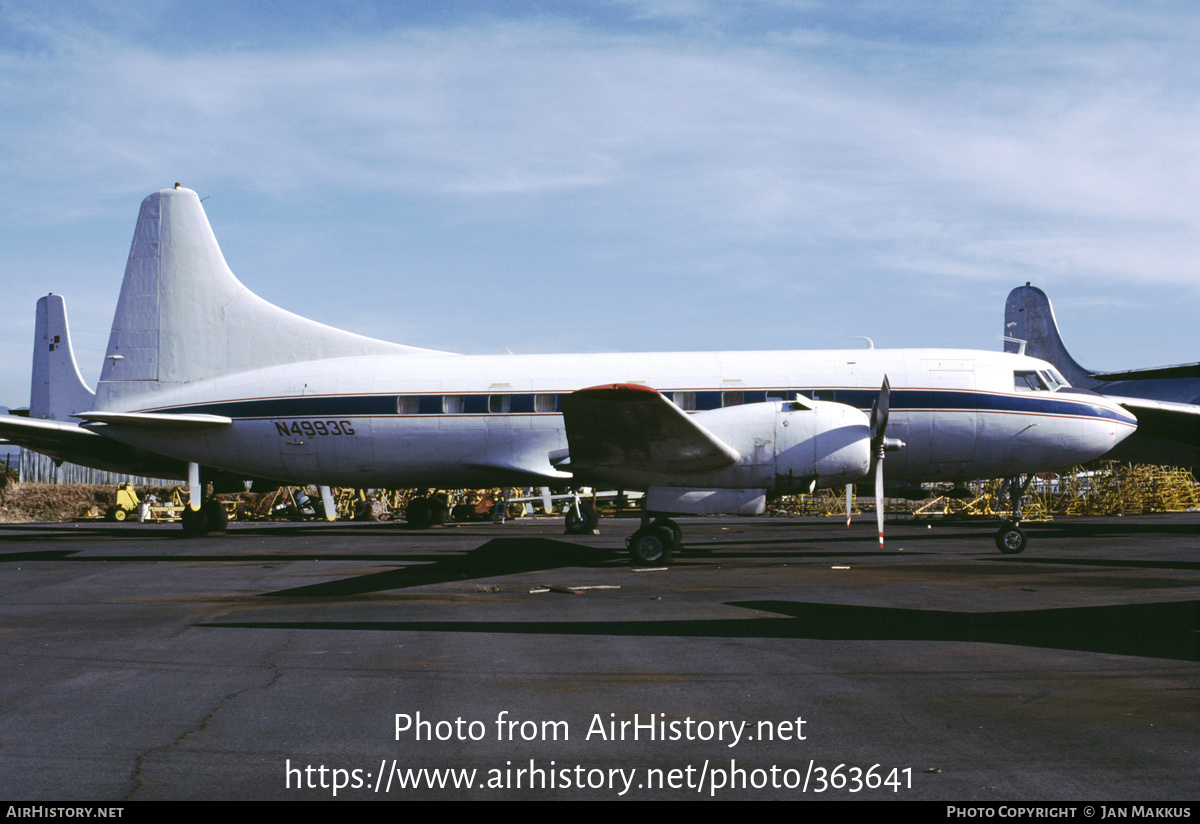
57,390
1028,316
183,316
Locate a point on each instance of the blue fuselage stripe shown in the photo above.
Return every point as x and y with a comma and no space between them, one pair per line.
354,406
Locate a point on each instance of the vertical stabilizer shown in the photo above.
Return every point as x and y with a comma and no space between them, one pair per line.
1028,316
182,315
57,389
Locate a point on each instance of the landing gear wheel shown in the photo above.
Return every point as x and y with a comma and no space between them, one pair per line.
419,513
439,512
195,521
651,545
216,516
1011,539
582,522
673,528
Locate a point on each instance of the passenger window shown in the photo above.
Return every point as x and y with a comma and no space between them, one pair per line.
732,399
684,400
545,403
499,404
452,404
777,395
407,404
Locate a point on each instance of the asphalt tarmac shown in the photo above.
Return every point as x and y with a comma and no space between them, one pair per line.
776,659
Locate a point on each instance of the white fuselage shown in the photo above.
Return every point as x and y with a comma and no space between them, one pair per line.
470,420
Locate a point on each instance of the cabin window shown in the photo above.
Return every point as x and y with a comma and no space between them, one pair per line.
684,400
452,404
545,403
732,398
777,395
1051,381
499,404
1028,382
408,404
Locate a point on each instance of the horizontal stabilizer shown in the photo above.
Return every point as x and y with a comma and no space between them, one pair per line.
635,428
33,433
150,420
72,443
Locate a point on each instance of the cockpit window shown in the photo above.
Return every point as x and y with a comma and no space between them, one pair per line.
1028,382
1051,381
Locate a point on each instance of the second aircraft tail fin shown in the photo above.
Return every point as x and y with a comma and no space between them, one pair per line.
1028,316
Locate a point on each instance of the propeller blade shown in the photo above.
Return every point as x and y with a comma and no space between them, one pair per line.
849,494
879,496
879,411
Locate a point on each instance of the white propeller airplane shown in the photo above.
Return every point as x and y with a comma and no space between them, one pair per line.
201,370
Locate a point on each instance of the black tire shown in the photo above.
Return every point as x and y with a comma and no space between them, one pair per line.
419,513
216,516
583,522
1011,539
651,545
439,512
195,522
673,528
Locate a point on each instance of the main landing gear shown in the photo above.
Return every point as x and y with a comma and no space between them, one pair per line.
1011,539
201,517
211,517
656,542
425,511
581,517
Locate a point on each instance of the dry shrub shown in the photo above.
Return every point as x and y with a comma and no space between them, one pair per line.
61,502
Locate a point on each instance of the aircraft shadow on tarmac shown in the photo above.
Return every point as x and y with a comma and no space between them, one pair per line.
1162,630
495,557
1167,630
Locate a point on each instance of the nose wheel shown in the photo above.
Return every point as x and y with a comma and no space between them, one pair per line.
1011,539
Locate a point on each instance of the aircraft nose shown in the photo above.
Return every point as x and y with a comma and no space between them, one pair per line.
1112,423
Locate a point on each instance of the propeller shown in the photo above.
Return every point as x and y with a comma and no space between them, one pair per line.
880,446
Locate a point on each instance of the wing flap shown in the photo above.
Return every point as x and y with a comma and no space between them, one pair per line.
635,428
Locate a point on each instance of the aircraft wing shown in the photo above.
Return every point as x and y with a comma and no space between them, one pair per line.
1181,370
635,428
1164,420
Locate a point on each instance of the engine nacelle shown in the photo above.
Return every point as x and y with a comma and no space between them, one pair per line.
784,447
827,445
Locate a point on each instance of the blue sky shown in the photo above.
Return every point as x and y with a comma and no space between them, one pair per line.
623,175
